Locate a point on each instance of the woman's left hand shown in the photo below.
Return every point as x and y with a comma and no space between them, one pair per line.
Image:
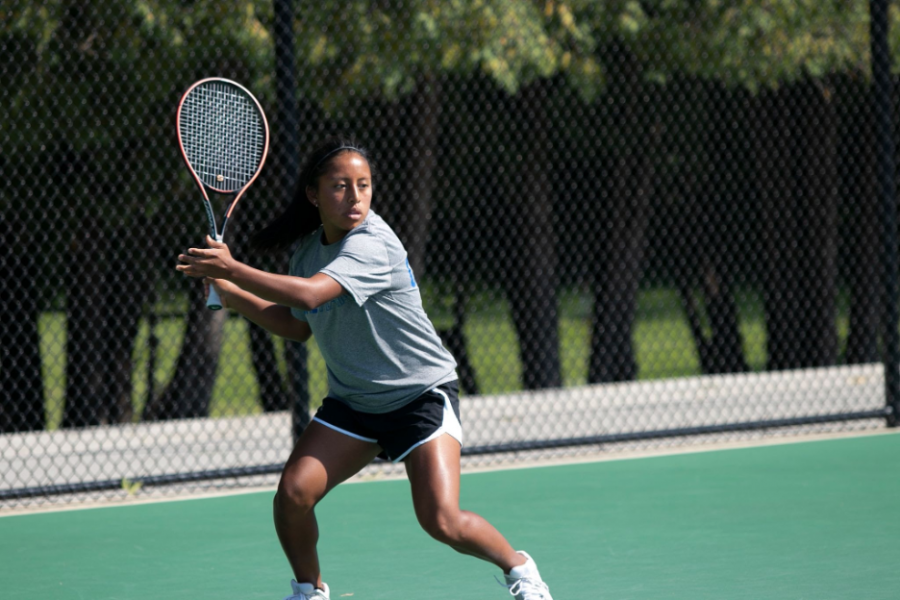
215,262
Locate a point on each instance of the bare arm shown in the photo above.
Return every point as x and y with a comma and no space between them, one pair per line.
264,298
287,290
272,317
216,262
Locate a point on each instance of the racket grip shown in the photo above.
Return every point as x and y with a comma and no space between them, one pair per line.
213,301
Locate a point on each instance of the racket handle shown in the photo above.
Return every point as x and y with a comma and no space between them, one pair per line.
213,301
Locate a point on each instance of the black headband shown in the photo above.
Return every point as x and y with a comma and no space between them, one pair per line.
335,151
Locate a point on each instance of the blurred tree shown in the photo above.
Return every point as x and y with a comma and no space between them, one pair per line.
90,105
634,119
789,51
21,382
794,49
779,46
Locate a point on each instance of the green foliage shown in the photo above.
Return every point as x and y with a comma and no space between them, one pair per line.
751,43
768,43
92,85
68,53
383,48
94,72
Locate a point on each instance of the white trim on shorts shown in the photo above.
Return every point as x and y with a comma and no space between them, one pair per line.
449,424
344,431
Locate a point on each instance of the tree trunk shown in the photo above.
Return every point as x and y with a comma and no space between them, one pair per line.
798,179
726,344
454,339
721,351
818,234
189,393
775,150
457,260
21,381
860,193
622,226
531,284
85,315
414,221
107,279
296,355
272,394
708,235
704,287
126,287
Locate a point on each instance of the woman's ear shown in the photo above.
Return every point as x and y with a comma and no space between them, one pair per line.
312,196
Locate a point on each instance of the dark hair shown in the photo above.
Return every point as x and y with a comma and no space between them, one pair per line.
301,218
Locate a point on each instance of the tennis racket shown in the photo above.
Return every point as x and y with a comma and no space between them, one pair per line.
224,139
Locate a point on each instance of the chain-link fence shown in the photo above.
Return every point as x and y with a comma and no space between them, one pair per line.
629,221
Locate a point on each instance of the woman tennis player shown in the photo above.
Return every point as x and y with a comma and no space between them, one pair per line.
392,386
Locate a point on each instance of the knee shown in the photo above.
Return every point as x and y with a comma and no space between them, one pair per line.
295,495
444,525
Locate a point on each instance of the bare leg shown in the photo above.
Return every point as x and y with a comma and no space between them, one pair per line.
322,459
433,470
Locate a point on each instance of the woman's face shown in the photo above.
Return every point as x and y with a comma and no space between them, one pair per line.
343,194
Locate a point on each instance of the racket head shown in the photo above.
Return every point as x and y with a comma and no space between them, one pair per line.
223,136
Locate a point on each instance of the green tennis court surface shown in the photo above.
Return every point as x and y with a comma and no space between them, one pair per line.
813,520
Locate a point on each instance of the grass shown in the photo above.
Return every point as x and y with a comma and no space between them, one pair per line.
663,345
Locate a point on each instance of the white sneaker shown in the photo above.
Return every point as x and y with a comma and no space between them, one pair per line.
307,591
524,582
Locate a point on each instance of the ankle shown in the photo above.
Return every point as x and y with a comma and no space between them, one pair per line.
516,559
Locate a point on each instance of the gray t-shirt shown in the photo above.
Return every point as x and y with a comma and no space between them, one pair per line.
381,350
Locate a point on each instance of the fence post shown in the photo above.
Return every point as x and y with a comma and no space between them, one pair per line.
882,105
287,148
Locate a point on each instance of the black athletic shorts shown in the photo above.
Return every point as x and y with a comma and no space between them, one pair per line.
401,431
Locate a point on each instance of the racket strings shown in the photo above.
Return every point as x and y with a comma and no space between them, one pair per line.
223,135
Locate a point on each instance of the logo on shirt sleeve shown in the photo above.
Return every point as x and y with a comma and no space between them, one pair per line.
412,278
329,306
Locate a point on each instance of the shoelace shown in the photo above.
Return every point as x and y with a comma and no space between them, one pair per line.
530,588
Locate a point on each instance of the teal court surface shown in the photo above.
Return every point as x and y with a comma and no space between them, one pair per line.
806,520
